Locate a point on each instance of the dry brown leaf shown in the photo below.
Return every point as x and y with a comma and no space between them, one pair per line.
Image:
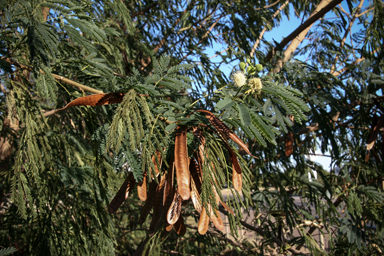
96,100
181,162
122,194
375,132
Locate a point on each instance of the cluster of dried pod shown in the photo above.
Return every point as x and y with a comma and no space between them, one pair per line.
165,197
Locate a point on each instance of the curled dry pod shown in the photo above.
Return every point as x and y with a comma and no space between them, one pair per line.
158,204
224,130
174,210
122,194
180,226
181,162
202,227
96,100
149,203
142,188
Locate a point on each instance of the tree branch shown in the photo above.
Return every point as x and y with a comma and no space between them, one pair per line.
265,28
314,17
57,77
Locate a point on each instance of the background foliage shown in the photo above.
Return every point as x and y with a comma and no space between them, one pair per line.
59,170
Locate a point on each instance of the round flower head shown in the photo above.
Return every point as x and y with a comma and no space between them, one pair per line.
255,84
239,78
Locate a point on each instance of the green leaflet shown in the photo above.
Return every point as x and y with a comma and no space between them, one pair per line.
244,115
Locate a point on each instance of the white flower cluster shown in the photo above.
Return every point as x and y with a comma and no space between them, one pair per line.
255,84
239,78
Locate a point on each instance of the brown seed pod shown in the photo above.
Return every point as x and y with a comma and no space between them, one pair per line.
224,130
195,171
180,226
169,189
200,155
195,196
289,144
160,160
142,188
237,178
158,204
216,219
149,203
174,210
202,227
122,194
181,160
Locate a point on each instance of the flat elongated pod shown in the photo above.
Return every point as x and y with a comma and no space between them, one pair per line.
174,210
169,190
149,203
200,155
181,162
224,130
96,100
142,188
237,178
196,174
180,226
195,196
158,204
216,219
226,207
157,167
202,227
122,194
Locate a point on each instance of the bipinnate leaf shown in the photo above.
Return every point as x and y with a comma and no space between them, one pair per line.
122,194
181,162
